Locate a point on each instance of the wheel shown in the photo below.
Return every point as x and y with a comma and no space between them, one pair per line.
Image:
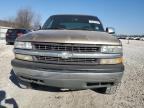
108,90
11,43
7,43
101,90
111,90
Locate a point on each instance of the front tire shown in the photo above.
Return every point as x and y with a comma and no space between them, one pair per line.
111,90
108,90
7,43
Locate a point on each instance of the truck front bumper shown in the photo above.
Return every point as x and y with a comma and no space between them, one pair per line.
100,76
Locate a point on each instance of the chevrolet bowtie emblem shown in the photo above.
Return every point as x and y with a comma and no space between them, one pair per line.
65,55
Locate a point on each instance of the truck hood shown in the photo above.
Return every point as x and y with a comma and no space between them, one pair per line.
71,36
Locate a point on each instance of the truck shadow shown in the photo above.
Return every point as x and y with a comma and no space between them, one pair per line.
15,80
4,100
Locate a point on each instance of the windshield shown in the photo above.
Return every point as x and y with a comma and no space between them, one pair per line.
73,22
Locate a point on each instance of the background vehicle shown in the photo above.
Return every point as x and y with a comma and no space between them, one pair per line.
142,38
12,34
136,38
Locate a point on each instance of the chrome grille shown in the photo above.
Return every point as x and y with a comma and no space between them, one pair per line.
66,47
46,59
70,48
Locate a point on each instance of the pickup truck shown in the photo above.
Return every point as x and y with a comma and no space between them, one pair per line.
70,52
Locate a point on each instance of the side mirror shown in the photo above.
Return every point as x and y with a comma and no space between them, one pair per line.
37,28
110,30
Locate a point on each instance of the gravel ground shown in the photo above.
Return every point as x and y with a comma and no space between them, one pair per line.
130,94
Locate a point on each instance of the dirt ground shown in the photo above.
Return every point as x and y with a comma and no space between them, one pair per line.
130,94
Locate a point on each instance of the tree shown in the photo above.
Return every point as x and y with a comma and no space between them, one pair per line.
36,22
11,22
26,18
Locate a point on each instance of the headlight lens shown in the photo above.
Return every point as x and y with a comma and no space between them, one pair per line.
111,49
111,61
23,57
23,45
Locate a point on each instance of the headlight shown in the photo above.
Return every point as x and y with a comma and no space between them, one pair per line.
23,57
111,61
111,49
23,45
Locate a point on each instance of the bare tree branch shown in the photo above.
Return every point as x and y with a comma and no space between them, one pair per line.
26,18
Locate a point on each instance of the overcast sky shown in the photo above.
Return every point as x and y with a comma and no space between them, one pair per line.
126,16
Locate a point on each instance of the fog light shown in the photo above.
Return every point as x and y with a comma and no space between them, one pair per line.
111,61
24,57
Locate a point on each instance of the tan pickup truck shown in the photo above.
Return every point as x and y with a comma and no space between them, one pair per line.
72,52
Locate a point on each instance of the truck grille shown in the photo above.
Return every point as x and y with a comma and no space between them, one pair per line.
46,59
66,47
70,48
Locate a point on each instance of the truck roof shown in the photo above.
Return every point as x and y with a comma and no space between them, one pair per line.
75,15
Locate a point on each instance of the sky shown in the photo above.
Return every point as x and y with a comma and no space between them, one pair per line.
126,16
